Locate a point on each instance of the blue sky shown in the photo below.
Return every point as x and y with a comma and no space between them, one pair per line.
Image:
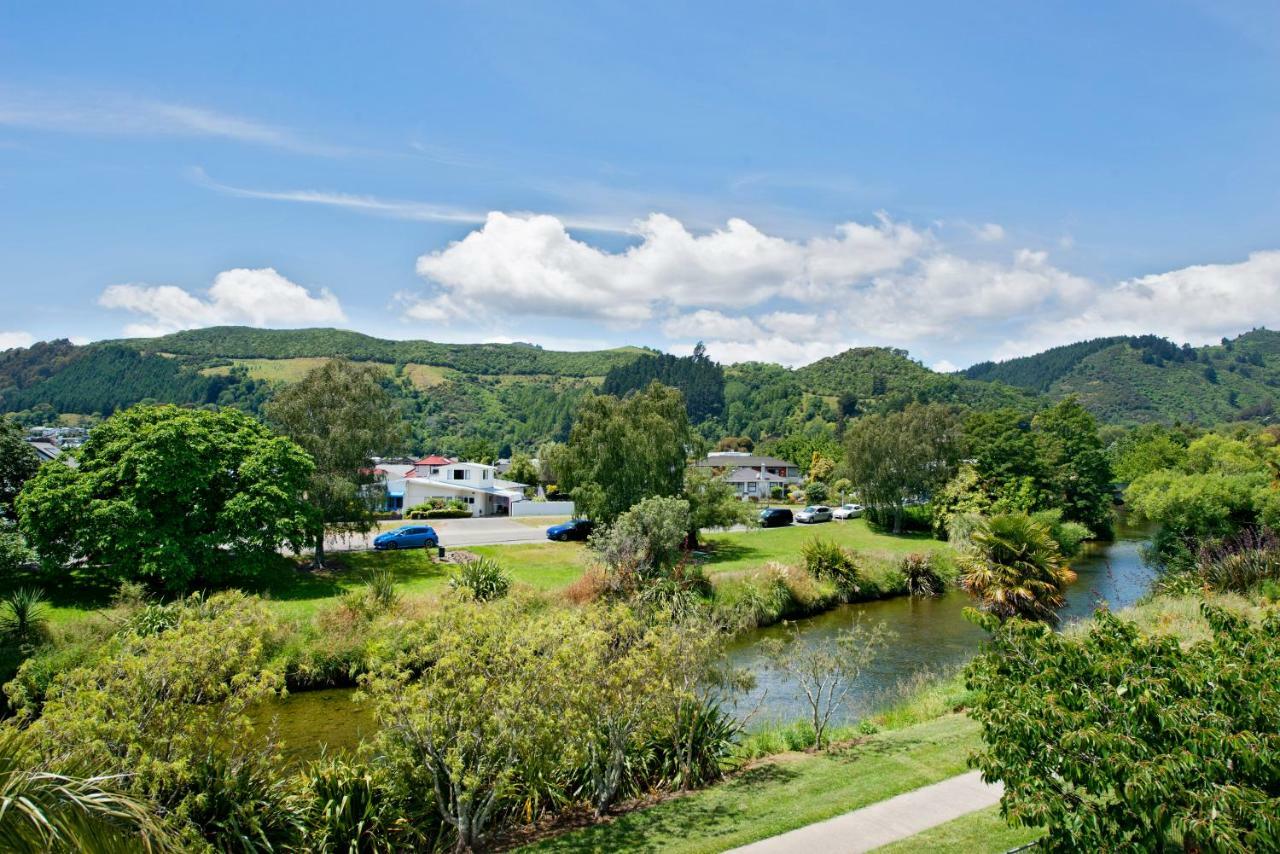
782,180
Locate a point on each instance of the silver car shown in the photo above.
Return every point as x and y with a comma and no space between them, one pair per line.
814,513
847,511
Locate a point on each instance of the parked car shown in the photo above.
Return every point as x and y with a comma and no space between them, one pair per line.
814,513
574,529
847,511
775,517
408,537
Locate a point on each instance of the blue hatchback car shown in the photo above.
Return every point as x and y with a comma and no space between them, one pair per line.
408,537
574,529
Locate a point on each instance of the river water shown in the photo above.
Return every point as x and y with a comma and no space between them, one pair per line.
929,636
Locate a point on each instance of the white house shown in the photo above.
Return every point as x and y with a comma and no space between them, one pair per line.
474,484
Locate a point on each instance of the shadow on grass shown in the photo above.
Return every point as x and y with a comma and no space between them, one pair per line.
291,580
727,551
71,589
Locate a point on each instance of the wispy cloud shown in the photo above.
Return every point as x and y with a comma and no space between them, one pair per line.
399,208
123,115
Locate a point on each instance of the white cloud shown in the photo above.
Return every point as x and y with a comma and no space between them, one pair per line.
117,115
990,232
530,264
774,348
260,297
1197,304
9,340
943,366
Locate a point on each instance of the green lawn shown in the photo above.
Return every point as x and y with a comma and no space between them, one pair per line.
740,550
981,832
790,791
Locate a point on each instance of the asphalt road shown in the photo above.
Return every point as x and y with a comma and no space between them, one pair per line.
459,533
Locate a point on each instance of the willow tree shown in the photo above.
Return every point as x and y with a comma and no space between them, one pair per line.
624,450
901,455
342,416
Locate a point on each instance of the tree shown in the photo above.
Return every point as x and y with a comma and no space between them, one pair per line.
340,414
1079,472
824,670
1014,569
171,495
821,467
622,451
1118,741
815,492
18,463
842,487
735,443
893,457
644,544
712,504
522,470
699,379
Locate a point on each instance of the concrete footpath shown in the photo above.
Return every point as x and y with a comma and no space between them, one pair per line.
886,821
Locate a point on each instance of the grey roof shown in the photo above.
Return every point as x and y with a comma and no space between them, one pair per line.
746,475
738,460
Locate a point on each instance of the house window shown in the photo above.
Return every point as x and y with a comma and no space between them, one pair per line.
435,469
459,474
470,500
751,487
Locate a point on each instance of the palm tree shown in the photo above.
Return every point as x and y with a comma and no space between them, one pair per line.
45,811
1015,569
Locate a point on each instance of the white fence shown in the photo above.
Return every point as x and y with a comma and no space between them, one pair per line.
542,508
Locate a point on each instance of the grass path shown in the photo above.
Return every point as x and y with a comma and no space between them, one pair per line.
787,792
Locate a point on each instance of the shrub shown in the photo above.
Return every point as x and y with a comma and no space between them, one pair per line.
484,580
24,615
438,513
346,808
14,551
1239,563
1070,536
920,576
816,492
827,559
381,588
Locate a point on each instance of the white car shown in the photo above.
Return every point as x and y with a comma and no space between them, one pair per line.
847,511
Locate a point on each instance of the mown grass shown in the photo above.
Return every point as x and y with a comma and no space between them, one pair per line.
785,792
981,832
740,550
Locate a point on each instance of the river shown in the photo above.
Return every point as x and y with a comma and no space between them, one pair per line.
932,635
929,635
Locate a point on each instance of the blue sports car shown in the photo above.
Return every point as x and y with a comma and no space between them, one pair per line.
574,529
408,537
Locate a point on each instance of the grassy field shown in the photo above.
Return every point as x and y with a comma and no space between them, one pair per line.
786,792
981,832
543,565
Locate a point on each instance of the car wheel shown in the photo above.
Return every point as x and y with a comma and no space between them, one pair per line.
392,546
429,544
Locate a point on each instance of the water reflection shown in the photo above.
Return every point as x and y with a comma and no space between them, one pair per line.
932,634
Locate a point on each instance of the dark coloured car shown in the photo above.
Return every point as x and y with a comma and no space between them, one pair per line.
574,529
408,537
775,517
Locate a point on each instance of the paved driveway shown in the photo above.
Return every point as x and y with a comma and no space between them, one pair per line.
459,533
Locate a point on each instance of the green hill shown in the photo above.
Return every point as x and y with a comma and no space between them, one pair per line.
521,395
1136,379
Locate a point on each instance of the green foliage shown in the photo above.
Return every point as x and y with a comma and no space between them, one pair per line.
921,577
1147,449
1070,536
1039,372
346,809
43,810
1118,741
522,470
170,710
438,513
893,457
1014,569
484,580
341,416
815,492
14,551
644,547
826,559
712,503
622,451
18,464
1079,474
699,379
171,495
24,615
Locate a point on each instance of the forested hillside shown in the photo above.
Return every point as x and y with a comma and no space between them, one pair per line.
1137,379
519,395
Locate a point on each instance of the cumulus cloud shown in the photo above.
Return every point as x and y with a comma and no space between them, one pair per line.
531,265
259,297
989,232
9,340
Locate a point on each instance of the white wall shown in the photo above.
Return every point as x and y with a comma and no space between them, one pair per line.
542,508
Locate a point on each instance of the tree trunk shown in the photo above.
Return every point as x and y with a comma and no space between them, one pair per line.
897,518
319,562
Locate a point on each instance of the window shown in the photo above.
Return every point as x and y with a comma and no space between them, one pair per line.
751,486
459,474
470,500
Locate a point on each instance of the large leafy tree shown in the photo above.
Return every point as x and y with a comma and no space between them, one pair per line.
170,495
18,463
1119,741
896,456
623,450
1079,472
341,415
1014,568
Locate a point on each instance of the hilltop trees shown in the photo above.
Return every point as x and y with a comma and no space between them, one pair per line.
893,457
621,451
699,379
340,414
171,495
